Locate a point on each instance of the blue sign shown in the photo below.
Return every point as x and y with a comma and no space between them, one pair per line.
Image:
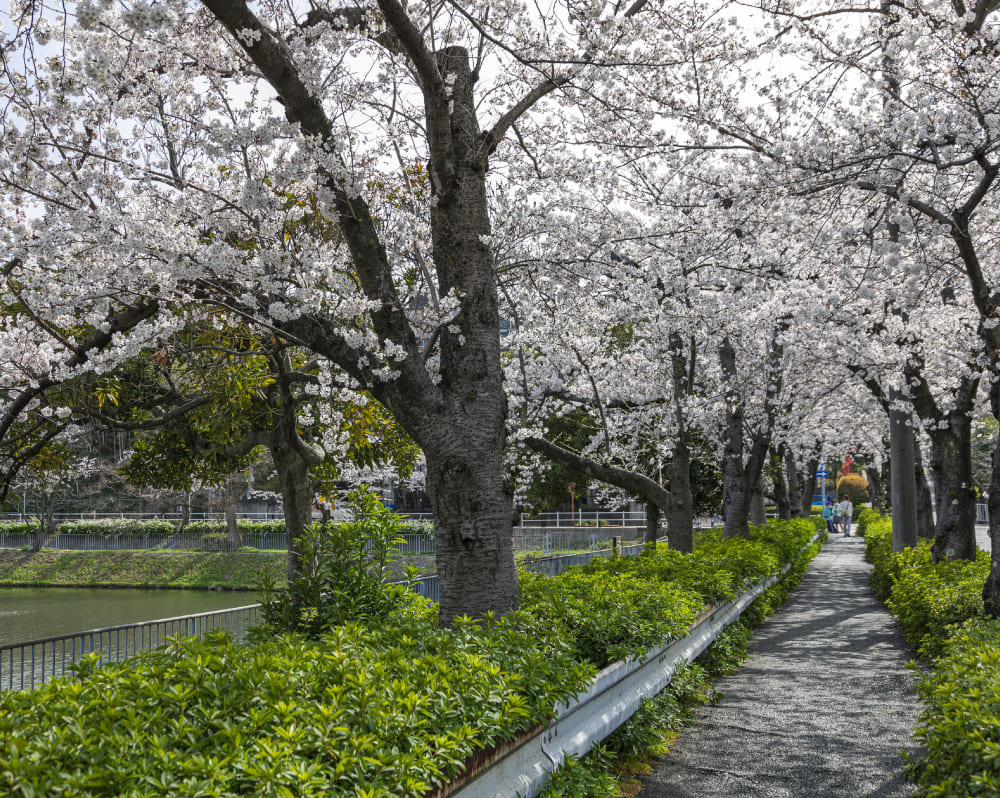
822,473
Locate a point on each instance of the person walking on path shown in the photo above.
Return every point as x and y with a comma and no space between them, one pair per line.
846,510
821,709
828,515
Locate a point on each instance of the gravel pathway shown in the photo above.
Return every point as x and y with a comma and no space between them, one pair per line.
821,709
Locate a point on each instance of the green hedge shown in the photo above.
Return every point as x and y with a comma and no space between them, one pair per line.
939,607
17,528
865,517
960,727
117,527
388,710
927,598
218,528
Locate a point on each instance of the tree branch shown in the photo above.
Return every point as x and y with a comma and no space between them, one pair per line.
627,480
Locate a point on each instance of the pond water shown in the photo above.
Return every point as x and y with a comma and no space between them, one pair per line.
31,613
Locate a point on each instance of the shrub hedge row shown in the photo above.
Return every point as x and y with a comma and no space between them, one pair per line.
939,607
388,710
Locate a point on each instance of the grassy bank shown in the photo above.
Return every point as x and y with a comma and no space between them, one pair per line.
195,570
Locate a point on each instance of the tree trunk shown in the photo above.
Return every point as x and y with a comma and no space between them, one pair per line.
951,465
794,482
735,489
296,499
758,508
874,488
782,500
185,511
809,486
991,590
232,528
680,512
925,505
652,525
475,546
904,503
458,418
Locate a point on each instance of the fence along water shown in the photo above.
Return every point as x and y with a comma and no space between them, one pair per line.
25,665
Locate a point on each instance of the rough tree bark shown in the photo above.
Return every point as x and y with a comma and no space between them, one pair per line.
809,485
758,508
875,489
794,482
741,474
680,513
904,504
950,463
924,502
782,499
232,529
991,589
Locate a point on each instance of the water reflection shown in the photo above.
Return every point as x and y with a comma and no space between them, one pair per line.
31,613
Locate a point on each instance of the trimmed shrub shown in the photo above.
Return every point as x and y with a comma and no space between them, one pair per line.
17,528
419,528
864,518
395,709
939,607
960,725
116,526
609,617
854,487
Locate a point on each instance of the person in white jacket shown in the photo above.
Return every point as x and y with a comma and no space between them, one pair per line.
845,510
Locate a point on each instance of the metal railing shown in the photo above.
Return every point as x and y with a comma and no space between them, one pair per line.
547,540
615,694
24,666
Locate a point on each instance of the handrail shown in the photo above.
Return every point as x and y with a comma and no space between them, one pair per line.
128,626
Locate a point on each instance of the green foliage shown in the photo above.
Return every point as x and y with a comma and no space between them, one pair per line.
391,706
343,571
866,517
729,649
114,526
665,712
254,527
854,487
878,551
939,607
960,725
16,528
927,598
392,710
588,777
609,617
425,528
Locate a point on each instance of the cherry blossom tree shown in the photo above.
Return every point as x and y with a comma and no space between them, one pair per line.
323,172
